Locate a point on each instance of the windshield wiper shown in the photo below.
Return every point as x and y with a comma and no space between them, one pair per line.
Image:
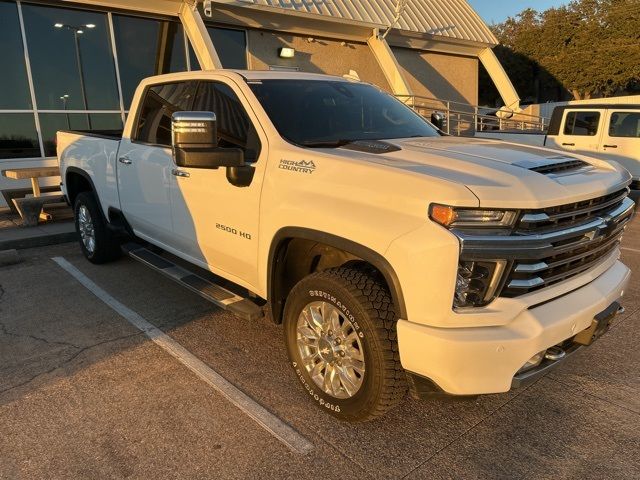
326,143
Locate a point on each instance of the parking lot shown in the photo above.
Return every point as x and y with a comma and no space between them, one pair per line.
86,394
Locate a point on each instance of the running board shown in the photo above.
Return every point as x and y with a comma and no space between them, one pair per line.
221,297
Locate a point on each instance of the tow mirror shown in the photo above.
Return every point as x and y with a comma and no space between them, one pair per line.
195,142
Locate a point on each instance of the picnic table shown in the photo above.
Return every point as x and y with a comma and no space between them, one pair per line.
30,209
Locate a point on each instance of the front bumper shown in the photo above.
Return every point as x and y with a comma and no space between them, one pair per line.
482,360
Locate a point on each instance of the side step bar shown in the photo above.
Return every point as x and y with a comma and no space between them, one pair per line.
221,297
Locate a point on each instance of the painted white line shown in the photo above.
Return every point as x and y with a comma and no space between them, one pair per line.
274,425
635,250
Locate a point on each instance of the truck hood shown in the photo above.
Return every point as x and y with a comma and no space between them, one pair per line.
498,173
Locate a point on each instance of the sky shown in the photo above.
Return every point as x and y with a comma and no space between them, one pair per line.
496,11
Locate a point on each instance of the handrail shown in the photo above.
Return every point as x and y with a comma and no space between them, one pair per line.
463,118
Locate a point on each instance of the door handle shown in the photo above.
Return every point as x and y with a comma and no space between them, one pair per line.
125,160
610,146
180,173
568,144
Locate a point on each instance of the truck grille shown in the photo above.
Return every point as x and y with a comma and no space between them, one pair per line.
578,237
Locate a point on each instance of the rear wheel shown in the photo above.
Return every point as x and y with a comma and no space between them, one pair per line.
341,338
96,241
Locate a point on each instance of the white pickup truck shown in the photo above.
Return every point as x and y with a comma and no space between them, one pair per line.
607,131
395,257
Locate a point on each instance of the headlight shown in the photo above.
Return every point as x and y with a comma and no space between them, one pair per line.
477,283
471,217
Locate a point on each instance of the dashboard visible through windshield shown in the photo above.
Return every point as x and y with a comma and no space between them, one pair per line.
326,113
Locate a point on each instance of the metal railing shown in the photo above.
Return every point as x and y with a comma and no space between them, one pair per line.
466,119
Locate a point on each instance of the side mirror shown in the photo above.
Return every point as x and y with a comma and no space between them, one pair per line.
195,142
438,119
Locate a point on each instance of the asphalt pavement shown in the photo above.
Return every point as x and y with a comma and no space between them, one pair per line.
86,394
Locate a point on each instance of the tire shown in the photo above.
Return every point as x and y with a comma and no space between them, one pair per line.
365,329
96,241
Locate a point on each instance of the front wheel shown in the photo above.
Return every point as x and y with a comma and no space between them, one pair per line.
341,339
96,241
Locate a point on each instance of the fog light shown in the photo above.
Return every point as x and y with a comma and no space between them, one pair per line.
477,283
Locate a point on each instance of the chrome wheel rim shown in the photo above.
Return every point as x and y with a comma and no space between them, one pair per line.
86,230
330,349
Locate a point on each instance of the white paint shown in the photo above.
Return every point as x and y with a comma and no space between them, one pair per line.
274,425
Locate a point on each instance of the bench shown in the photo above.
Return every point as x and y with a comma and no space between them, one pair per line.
30,209
10,193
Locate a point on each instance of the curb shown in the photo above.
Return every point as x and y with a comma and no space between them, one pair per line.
38,241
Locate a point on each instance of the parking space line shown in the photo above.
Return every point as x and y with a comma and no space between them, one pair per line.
635,250
271,423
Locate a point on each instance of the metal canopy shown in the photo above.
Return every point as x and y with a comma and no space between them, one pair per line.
446,18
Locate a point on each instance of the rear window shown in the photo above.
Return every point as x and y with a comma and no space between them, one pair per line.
582,123
625,124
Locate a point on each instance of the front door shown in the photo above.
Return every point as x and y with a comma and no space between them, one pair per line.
621,139
145,162
215,222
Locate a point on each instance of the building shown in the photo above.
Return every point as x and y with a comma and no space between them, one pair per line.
76,64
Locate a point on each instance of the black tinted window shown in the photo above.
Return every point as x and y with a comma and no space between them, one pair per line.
71,59
625,124
308,112
231,46
15,89
582,123
18,136
146,47
234,126
160,102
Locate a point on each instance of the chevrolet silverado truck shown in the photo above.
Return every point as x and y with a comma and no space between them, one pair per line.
608,131
396,258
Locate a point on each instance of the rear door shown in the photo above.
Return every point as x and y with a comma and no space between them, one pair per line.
580,130
145,161
621,139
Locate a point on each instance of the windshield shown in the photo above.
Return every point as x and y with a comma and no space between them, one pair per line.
329,113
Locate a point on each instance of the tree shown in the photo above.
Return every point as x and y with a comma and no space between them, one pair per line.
588,48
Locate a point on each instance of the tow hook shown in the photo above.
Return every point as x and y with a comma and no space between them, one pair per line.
554,353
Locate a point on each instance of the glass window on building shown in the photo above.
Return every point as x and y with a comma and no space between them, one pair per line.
14,91
50,123
231,46
71,59
146,47
18,136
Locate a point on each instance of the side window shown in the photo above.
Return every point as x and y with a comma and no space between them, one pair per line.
234,126
160,102
625,124
581,123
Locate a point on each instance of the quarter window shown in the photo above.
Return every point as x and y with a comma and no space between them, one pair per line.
234,126
582,123
625,124
160,103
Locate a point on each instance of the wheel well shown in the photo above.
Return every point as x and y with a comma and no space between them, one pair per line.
76,183
294,258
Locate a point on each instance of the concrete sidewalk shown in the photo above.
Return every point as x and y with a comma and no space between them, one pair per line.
14,236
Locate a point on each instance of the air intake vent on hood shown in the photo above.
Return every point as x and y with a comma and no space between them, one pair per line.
556,165
560,167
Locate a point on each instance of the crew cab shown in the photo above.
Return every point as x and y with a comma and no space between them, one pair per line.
396,258
607,131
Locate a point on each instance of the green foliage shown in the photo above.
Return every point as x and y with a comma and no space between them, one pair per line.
589,48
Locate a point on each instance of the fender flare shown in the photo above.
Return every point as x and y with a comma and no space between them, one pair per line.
83,174
276,263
